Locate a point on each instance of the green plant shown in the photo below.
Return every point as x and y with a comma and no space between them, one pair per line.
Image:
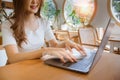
57,12
75,19
56,24
117,7
48,10
70,14
50,13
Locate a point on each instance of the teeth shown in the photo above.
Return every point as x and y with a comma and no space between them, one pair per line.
33,6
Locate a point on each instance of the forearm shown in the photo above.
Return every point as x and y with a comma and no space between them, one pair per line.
25,56
62,43
55,43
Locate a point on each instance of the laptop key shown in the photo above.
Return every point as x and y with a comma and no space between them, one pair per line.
67,64
82,64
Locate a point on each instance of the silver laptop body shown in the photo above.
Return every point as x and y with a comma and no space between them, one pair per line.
86,64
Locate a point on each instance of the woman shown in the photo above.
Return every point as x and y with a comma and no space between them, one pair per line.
25,37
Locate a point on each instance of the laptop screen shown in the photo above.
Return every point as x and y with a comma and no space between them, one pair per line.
103,42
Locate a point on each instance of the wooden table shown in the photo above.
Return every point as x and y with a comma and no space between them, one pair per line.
107,68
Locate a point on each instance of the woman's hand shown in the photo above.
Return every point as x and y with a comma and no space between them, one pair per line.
62,53
70,44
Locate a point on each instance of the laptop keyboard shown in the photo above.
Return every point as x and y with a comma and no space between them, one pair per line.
81,64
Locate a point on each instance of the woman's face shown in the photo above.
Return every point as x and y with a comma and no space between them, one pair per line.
33,6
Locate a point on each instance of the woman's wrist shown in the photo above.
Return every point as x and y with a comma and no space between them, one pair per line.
43,51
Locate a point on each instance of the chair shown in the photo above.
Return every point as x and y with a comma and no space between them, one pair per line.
6,9
62,35
89,36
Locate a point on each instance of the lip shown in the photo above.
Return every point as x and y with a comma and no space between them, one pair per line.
34,6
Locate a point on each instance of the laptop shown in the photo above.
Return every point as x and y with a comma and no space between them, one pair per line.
86,64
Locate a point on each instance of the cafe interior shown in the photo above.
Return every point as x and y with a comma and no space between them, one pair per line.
81,21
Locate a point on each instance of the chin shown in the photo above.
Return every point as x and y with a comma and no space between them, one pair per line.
34,11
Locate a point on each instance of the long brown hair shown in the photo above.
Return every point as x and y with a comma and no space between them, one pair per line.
19,16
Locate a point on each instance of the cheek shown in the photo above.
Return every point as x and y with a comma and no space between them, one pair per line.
27,8
39,2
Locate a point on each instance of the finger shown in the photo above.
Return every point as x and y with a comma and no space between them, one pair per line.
73,57
61,58
83,53
66,55
77,48
81,49
70,54
68,47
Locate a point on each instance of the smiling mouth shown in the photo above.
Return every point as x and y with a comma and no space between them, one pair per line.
34,6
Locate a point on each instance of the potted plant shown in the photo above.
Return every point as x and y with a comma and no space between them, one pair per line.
48,10
50,13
